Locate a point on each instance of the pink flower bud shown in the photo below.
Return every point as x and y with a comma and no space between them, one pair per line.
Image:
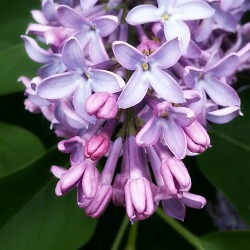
103,105
97,146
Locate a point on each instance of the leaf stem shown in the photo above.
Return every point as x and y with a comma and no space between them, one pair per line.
131,243
120,234
190,237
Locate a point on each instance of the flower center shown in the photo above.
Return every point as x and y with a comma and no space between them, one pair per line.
165,17
144,66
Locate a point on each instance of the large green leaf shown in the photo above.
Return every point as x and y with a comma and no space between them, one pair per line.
227,163
15,63
226,241
18,146
32,217
15,17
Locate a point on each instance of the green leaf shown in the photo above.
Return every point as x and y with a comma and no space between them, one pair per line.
15,17
226,164
15,63
18,146
32,217
226,240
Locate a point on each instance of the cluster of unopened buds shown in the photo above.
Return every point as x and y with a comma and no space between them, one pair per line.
133,84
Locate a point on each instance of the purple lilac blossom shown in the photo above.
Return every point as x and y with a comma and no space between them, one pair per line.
137,86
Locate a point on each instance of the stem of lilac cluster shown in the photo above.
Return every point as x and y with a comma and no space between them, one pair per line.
123,34
120,234
109,168
141,33
190,237
132,236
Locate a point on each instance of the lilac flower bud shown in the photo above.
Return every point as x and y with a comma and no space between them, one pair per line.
97,146
102,104
197,137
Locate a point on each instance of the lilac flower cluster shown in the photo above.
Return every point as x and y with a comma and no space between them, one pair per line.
135,85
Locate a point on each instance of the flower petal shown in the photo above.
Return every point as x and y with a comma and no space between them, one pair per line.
87,4
149,134
128,56
145,13
193,200
106,24
167,55
225,67
79,101
192,10
59,86
134,91
106,81
36,53
174,208
166,86
177,28
174,138
97,51
220,92
70,18
72,56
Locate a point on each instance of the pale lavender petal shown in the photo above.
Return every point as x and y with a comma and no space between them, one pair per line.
165,86
106,24
128,56
225,20
128,201
225,67
134,90
177,28
183,116
97,51
69,180
70,18
79,101
87,4
38,16
36,53
57,171
166,5
143,14
137,189
226,4
90,181
192,10
204,30
167,55
72,56
193,50
48,8
106,81
224,115
174,208
193,200
149,134
174,138
220,92
55,67
58,86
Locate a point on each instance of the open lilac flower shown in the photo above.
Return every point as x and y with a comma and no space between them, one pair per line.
80,80
209,79
172,14
167,118
148,73
89,33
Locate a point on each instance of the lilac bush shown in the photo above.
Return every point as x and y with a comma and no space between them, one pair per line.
140,84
